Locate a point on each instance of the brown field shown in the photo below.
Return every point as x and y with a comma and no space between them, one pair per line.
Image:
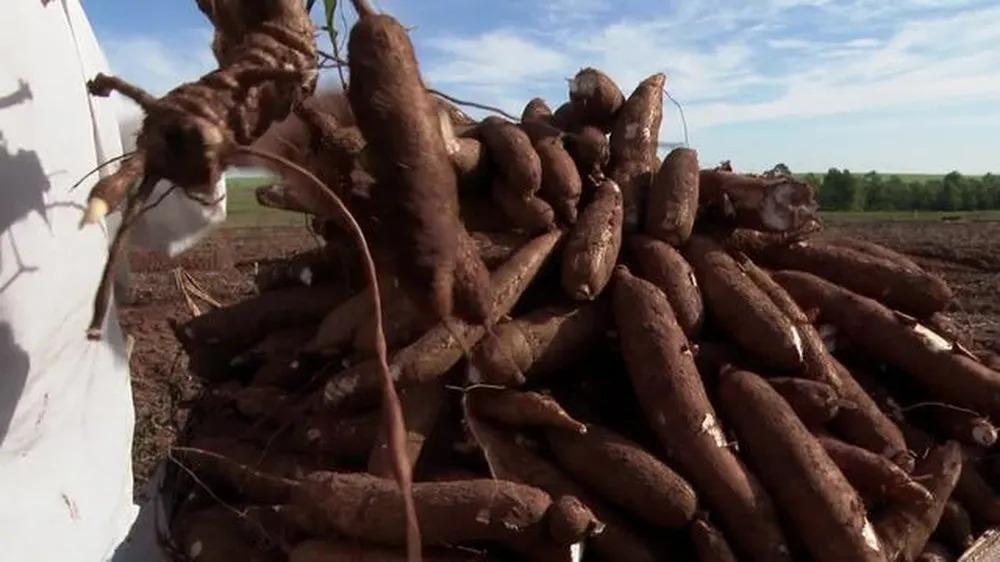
966,253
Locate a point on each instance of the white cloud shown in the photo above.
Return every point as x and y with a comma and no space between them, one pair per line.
497,58
736,62
157,65
915,67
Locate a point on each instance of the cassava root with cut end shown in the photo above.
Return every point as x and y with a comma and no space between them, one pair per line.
806,486
930,359
858,419
739,305
291,406
875,477
661,366
779,204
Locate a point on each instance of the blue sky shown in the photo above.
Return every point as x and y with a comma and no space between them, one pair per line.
902,85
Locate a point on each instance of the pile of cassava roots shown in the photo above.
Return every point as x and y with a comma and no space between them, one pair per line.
573,351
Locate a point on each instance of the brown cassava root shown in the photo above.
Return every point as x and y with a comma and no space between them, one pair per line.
583,453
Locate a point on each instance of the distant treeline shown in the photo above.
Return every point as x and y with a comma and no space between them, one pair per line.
841,190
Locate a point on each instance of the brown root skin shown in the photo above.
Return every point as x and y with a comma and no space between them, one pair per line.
807,486
338,327
450,512
537,344
859,418
713,356
669,388
872,249
403,321
590,149
437,351
564,118
934,552
779,204
527,213
673,198
662,265
976,493
642,485
861,422
778,295
885,336
519,409
899,286
964,426
472,282
513,156
594,242
509,459
561,183
219,535
633,146
537,111
710,544
470,162
955,527
905,529
315,550
756,323
421,208
187,134
494,248
113,189
595,99
214,338
422,406
276,196
875,477
815,403
750,241
456,116
346,439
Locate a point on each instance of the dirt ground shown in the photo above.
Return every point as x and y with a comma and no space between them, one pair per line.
967,254
223,265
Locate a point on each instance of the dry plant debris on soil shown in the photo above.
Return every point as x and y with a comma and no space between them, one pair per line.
632,360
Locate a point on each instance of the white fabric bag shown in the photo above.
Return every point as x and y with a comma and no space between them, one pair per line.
66,415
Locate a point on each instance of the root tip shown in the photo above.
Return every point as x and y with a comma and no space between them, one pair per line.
97,209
